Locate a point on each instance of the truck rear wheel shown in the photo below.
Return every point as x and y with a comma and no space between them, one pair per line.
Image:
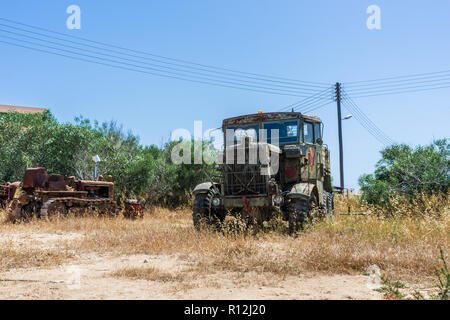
203,211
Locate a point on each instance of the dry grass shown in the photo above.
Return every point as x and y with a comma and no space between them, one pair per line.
149,273
403,247
348,202
11,258
423,205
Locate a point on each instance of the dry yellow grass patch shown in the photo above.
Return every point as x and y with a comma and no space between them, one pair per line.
11,258
148,273
343,203
423,205
403,247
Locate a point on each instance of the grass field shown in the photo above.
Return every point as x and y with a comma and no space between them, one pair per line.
403,246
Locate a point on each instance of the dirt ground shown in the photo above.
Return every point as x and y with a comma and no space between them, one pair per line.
91,277
164,257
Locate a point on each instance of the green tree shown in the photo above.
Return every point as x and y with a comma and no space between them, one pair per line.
408,171
144,172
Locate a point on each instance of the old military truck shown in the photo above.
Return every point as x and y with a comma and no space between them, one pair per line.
289,174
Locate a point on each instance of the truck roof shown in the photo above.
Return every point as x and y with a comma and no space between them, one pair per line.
270,116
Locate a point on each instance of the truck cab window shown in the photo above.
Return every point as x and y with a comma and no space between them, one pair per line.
243,131
308,132
317,132
287,131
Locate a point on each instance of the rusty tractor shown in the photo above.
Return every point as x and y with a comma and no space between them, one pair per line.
133,209
44,195
7,191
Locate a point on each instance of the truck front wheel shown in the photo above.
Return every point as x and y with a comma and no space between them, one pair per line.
203,211
302,211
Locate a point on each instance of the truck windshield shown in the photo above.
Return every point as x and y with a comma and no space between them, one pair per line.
287,131
242,131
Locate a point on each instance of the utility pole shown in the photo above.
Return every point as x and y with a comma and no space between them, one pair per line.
341,149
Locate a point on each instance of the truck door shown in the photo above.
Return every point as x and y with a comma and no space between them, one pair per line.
309,167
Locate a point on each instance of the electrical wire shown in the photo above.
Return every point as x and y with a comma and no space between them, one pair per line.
366,125
444,76
364,120
163,59
310,109
399,84
315,93
158,66
320,96
359,114
150,73
411,76
371,94
401,87
147,68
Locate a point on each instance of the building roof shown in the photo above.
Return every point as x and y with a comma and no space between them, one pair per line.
5,108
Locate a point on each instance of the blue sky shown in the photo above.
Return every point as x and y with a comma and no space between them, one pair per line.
323,41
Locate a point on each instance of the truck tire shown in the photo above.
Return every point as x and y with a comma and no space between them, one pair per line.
301,211
203,212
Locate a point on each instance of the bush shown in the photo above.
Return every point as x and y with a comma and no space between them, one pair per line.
408,173
144,172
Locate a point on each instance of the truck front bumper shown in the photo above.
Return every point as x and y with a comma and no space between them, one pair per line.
242,202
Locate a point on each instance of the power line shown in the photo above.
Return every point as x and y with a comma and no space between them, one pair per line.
297,88
315,93
154,71
366,125
150,73
417,75
365,121
319,96
400,87
399,82
206,74
307,110
153,65
372,94
359,114
165,60
312,104
374,132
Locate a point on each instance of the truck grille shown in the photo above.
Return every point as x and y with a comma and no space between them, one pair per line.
244,180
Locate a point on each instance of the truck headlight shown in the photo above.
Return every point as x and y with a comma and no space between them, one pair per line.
216,202
278,200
